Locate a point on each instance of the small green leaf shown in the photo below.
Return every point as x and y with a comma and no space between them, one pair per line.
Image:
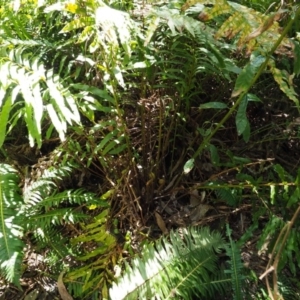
241,120
294,198
107,195
241,160
118,149
118,75
93,90
253,98
189,165
214,154
215,105
281,172
105,140
59,125
246,132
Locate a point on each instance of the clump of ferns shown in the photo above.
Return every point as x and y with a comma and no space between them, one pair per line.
48,210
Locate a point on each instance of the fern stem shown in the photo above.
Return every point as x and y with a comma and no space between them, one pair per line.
206,140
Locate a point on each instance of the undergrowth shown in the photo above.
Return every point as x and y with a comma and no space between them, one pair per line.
144,119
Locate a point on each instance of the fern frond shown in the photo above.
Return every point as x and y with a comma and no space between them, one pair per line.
181,267
26,76
227,195
236,267
11,231
57,216
43,201
51,239
94,274
45,185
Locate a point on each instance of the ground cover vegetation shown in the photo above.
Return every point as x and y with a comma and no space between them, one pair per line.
149,150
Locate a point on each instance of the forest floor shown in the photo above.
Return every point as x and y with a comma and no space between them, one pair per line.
169,203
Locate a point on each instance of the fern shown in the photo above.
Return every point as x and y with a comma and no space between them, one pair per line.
26,76
93,275
181,267
43,209
228,195
11,230
236,267
44,202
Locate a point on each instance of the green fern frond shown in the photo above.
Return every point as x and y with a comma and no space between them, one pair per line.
181,267
181,57
96,232
227,195
55,217
51,239
236,267
98,258
11,231
45,185
26,76
44,202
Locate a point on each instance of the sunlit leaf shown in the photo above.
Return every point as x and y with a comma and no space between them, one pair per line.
253,98
58,124
4,116
76,24
189,165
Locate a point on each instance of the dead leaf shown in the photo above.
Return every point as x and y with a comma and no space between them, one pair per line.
62,289
195,199
199,212
161,223
203,17
263,27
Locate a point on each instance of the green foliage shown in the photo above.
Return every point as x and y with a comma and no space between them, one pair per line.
184,56
11,232
236,267
41,209
178,268
134,83
249,27
280,201
30,88
266,37
27,90
231,196
95,275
